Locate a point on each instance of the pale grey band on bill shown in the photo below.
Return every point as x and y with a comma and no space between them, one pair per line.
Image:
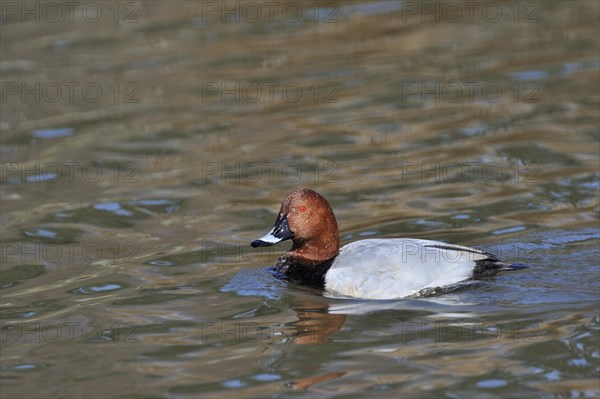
270,238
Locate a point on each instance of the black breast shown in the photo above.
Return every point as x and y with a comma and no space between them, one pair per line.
310,274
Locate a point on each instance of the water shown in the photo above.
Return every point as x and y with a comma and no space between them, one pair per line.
141,157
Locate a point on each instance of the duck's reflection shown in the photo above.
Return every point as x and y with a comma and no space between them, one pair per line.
318,317
315,324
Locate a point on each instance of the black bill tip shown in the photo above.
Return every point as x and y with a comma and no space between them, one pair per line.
260,243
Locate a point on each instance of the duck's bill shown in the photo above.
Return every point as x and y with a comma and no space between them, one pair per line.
267,240
279,232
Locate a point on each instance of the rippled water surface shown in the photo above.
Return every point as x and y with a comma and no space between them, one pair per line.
146,144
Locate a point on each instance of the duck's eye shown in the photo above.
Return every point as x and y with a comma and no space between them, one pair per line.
302,209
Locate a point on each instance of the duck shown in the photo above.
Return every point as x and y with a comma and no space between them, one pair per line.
376,268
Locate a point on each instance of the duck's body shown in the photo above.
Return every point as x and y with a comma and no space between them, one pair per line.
401,267
369,269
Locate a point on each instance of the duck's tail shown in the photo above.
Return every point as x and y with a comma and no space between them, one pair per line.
506,267
489,267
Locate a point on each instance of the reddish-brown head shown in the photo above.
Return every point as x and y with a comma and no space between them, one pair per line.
307,219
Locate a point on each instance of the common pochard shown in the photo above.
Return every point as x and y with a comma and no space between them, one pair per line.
370,269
